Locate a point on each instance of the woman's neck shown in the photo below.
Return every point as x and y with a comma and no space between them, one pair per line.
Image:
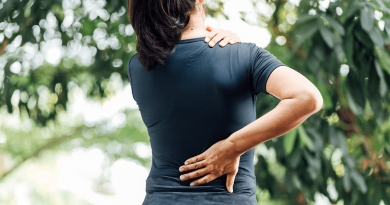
194,34
195,27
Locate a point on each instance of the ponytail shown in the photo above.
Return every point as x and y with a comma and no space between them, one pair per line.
158,25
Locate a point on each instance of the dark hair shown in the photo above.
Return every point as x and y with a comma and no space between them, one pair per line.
158,25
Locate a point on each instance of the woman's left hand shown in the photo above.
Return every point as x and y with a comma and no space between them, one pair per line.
218,34
216,161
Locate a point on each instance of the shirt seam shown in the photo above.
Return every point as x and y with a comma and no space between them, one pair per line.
128,70
251,83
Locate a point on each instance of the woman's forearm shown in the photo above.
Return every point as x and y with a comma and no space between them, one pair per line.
287,115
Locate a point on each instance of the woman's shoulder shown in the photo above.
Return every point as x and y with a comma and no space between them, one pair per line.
133,57
133,61
248,47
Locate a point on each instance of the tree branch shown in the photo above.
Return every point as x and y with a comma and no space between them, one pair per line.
50,144
3,46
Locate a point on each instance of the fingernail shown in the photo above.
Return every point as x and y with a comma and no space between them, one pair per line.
207,39
192,184
231,189
182,169
212,43
222,44
231,41
182,177
185,163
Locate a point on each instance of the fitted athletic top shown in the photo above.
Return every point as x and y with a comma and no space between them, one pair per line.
199,96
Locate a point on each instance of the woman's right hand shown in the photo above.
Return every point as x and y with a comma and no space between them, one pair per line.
216,161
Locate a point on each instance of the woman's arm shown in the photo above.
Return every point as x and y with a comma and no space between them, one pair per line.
299,100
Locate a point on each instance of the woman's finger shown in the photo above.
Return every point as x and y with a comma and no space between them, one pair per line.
233,38
225,41
236,39
194,174
211,35
195,159
230,181
218,37
206,179
196,165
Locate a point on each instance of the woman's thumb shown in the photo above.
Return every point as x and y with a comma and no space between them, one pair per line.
230,181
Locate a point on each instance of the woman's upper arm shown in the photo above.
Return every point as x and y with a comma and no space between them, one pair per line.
262,65
285,82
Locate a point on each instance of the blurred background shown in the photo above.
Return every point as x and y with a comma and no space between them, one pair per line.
71,133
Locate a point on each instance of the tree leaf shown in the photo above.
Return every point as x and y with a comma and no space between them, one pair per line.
336,138
314,164
376,37
327,35
336,25
374,6
382,82
356,89
317,140
312,62
328,104
309,30
383,6
364,38
349,49
289,141
289,181
294,158
366,19
374,98
312,172
346,179
387,28
374,190
332,64
349,161
351,9
313,161
304,138
352,104
387,149
359,180
305,18
377,108
319,51
388,32
387,23
384,58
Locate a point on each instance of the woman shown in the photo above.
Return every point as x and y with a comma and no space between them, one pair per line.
198,104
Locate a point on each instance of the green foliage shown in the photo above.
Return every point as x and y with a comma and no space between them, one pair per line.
356,102
343,49
82,32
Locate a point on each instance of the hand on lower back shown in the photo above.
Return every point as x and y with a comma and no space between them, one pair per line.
216,161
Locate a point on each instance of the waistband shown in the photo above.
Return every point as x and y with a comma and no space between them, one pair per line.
177,173
158,183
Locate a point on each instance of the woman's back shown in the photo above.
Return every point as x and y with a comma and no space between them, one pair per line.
200,95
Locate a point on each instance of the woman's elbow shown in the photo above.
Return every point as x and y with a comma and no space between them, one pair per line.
314,101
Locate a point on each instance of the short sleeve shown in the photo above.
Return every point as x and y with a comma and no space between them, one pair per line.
262,65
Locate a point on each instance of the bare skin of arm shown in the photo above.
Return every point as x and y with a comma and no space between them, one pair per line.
299,100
